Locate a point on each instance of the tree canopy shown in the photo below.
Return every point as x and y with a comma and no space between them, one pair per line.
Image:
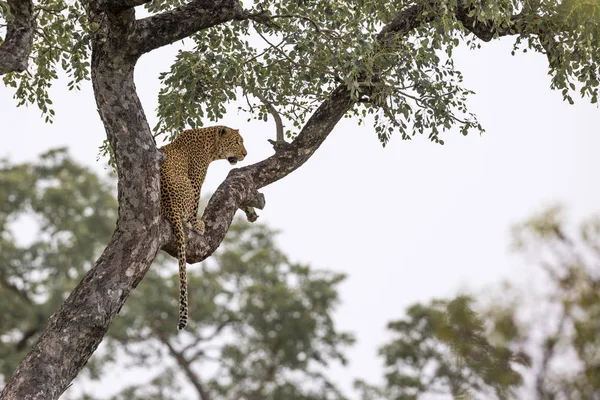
307,64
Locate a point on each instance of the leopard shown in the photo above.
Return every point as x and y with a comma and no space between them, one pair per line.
182,174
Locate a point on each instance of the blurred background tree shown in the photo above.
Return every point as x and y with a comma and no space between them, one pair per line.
70,214
523,343
262,326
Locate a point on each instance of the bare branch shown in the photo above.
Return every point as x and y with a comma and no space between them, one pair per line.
278,122
14,52
220,328
548,353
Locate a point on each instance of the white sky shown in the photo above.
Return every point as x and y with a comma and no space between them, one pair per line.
408,222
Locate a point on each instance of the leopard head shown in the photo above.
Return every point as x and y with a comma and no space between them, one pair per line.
230,145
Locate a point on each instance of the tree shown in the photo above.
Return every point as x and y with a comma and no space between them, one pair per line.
443,349
388,61
569,257
523,345
263,322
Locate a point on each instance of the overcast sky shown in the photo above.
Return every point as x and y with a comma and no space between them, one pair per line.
408,222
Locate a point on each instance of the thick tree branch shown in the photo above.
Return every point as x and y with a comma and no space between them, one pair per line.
77,328
116,6
170,26
486,31
14,52
404,22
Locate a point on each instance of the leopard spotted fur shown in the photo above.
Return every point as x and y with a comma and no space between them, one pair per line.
181,176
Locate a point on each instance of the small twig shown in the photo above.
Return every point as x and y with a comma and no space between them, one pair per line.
263,18
283,53
201,353
274,113
264,51
249,104
313,23
67,388
49,42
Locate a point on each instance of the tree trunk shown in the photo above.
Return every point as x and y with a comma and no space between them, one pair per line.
77,328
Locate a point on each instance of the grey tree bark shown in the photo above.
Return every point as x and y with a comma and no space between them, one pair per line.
77,328
14,52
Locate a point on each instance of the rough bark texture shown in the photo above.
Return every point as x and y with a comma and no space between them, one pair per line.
14,52
168,27
75,330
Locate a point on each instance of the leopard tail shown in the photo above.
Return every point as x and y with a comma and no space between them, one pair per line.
183,292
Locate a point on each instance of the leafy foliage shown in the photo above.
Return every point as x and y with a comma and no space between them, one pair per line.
444,347
295,57
521,345
310,48
570,259
570,36
61,41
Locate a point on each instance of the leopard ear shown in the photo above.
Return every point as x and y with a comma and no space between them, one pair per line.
222,131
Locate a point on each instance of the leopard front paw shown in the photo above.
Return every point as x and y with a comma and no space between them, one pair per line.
199,227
